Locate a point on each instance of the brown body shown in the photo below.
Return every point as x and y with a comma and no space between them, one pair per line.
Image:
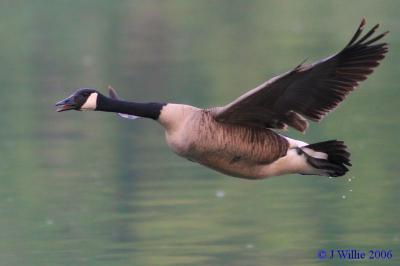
231,149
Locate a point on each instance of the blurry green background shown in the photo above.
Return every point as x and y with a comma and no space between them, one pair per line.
84,188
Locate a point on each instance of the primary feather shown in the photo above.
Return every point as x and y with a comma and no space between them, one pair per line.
308,91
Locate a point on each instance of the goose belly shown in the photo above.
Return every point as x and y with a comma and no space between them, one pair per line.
230,166
233,151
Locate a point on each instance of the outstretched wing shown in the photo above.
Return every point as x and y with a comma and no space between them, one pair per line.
309,91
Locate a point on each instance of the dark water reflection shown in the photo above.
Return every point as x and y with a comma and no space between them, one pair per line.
93,189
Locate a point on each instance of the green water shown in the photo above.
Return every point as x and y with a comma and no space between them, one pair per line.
84,188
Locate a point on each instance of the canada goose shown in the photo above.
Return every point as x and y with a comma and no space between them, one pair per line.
239,139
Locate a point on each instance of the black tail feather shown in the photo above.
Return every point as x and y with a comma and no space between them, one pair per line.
338,157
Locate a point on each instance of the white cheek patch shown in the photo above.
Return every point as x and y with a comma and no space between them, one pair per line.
91,103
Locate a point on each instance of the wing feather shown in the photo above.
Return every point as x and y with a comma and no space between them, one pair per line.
310,91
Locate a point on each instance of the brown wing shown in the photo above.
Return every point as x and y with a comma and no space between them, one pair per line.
311,91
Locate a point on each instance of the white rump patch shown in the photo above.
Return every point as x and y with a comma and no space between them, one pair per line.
315,154
293,143
91,102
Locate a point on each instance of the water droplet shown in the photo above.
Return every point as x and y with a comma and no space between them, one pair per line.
220,193
343,196
350,190
49,222
249,246
349,179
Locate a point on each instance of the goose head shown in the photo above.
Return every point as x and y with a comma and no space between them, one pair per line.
92,100
81,100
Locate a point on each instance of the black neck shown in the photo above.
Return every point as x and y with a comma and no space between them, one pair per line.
147,110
